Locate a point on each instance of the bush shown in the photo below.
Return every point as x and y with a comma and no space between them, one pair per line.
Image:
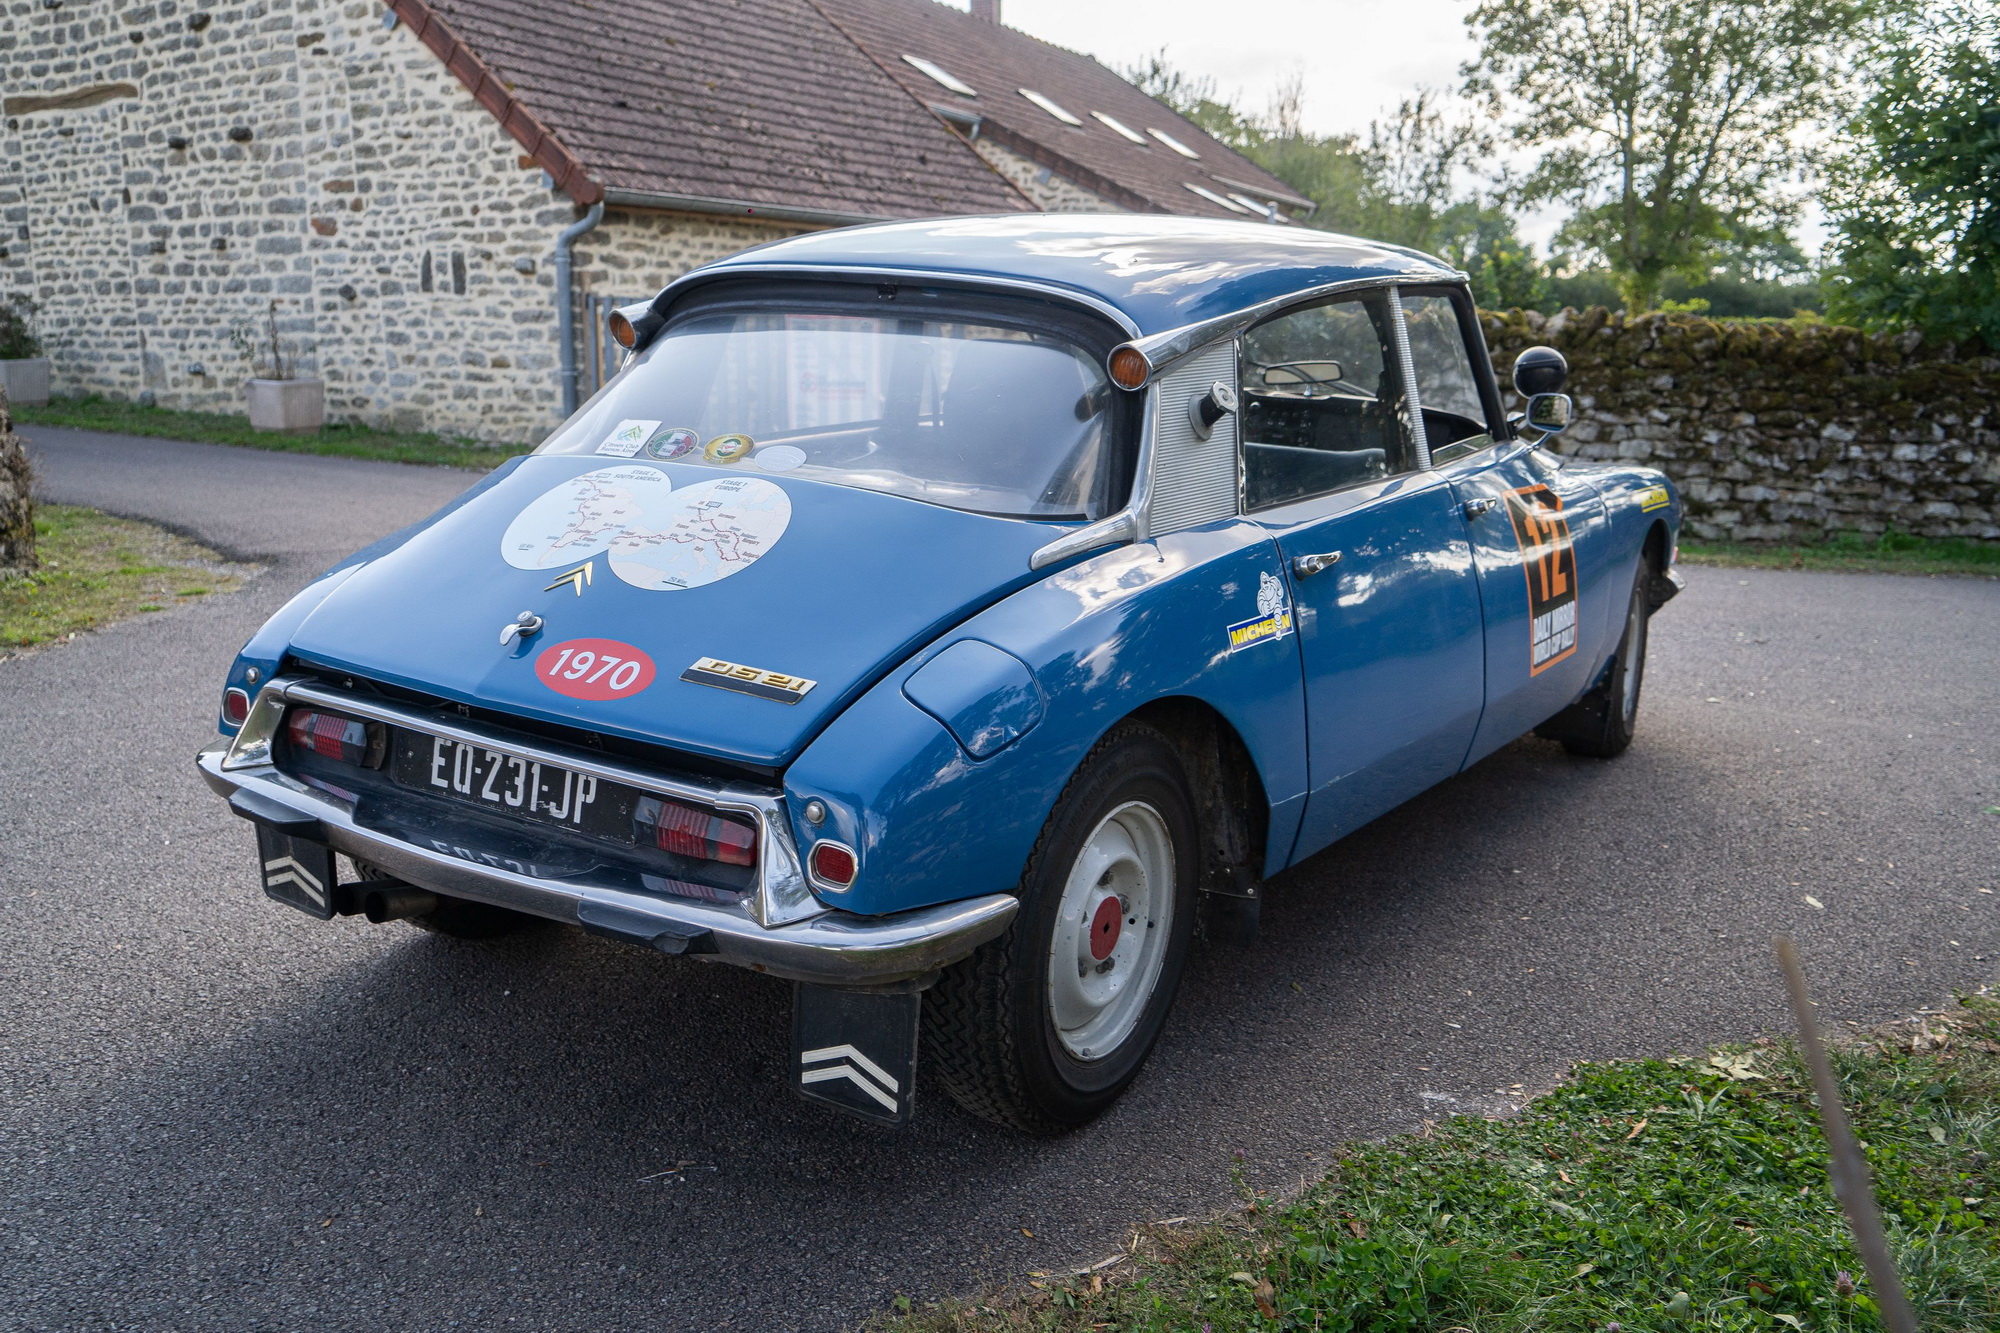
17,335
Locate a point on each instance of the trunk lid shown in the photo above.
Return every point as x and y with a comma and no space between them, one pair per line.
796,578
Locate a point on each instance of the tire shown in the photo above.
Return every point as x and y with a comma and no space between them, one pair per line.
1602,723
1014,1037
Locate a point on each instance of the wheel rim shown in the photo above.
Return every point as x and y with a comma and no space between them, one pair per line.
1111,931
1635,652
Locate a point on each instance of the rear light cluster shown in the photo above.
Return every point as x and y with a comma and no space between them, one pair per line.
332,736
686,830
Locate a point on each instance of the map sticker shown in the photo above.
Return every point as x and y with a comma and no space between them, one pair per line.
580,517
625,441
778,457
701,533
673,442
728,448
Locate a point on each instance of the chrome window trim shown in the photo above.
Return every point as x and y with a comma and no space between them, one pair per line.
783,895
1413,407
1162,350
1130,524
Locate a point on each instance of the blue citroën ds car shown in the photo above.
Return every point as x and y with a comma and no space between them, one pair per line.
930,613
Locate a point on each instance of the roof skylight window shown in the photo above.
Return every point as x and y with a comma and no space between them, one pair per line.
1121,129
1215,198
1049,106
938,73
1171,142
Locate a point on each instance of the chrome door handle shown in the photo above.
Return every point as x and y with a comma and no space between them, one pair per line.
1478,508
1306,566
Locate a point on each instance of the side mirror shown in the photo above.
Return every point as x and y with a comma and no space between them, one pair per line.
1540,370
1209,408
1549,413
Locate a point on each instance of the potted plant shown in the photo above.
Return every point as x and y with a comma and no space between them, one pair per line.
283,401
24,371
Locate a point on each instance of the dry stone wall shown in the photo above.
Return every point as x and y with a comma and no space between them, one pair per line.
170,170
1781,432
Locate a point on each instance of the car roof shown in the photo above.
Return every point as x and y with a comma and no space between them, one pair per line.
1157,272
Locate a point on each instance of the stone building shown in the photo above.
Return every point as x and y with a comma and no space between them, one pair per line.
421,199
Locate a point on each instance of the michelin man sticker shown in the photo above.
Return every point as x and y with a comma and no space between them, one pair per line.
706,532
579,518
1273,619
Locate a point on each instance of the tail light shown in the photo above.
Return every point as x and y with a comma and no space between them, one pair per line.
235,706
686,830
833,865
331,736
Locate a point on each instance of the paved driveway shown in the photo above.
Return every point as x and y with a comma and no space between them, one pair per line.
218,1114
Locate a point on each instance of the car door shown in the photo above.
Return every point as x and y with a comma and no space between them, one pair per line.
1385,600
1537,530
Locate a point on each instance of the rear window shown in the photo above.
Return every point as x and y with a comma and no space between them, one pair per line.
976,416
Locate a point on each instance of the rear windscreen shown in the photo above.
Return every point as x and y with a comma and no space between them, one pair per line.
982,417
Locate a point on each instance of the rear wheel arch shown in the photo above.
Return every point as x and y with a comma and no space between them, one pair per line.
1231,800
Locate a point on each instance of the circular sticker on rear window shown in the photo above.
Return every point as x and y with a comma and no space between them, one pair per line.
673,442
702,533
779,457
594,669
728,448
579,518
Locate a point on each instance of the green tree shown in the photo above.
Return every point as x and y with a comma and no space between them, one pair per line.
1917,213
1672,127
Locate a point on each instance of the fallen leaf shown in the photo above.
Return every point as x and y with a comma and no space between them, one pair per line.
1790,1319
1029,1234
1355,1225
1263,1293
1937,1133
1564,1177
1244,1278
1637,1129
1814,902
1581,1269
1096,1283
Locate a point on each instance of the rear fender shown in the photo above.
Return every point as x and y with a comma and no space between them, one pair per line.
1102,639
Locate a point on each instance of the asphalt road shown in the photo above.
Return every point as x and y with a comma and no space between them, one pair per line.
219,1114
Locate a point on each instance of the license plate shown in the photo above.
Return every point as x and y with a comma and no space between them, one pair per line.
509,785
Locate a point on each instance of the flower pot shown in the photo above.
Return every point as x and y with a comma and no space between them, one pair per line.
292,405
26,380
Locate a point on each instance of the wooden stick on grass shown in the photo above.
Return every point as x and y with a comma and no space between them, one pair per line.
1845,1164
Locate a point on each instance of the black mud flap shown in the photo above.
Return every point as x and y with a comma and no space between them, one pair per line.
857,1050
297,872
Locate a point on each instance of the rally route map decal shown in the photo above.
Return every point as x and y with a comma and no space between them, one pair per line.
702,533
1549,560
579,518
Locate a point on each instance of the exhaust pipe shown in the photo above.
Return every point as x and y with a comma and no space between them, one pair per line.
393,901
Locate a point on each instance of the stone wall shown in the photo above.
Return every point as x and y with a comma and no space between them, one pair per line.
1781,432
1050,192
199,164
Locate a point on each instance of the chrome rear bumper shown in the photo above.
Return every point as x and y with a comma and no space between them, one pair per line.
832,948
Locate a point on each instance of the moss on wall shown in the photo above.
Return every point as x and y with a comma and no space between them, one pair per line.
1781,431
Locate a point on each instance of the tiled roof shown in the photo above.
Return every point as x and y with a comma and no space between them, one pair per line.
754,101
998,61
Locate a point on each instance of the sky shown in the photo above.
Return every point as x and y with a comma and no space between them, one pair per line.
1358,59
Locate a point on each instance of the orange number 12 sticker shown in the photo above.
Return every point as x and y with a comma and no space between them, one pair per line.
1549,561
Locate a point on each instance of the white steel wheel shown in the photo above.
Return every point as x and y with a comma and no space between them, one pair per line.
1112,931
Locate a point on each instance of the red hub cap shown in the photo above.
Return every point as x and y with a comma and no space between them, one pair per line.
1104,927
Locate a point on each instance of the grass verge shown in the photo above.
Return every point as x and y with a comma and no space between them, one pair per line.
97,569
1656,1195
1890,553
353,441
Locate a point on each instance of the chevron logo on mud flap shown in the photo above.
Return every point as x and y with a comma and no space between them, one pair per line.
297,872
853,1066
856,1050
286,870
